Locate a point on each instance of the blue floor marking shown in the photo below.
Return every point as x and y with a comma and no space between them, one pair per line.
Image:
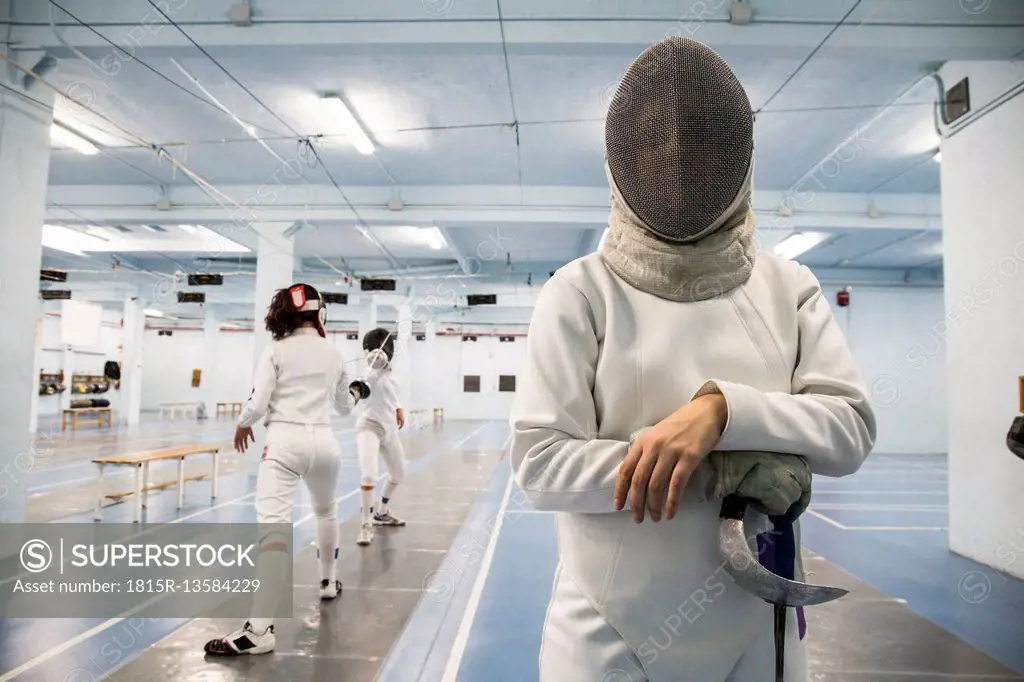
421,651
506,634
95,655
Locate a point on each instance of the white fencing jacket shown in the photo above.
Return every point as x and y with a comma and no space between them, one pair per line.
604,360
297,380
379,411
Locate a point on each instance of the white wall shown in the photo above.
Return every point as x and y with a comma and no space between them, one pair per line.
982,209
438,375
897,339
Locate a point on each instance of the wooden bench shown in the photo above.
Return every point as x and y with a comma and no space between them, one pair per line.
419,418
101,415
141,462
229,409
187,409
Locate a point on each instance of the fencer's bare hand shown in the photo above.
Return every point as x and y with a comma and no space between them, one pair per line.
242,436
663,459
400,414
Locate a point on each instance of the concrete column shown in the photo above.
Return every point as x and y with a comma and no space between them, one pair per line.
24,170
37,368
403,354
211,341
430,368
367,315
275,268
130,400
68,365
983,260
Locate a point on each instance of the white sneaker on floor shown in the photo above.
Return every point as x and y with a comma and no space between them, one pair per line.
241,642
329,589
365,535
386,519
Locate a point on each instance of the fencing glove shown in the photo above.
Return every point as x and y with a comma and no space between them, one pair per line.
360,388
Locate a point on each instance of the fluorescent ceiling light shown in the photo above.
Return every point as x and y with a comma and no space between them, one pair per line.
62,136
334,114
152,228
70,241
433,238
149,312
191,229
798,243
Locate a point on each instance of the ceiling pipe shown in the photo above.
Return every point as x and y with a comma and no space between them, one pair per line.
855,137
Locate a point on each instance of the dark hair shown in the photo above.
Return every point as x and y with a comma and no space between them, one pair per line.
282,317
374,339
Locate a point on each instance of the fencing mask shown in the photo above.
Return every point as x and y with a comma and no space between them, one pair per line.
379,347
679,145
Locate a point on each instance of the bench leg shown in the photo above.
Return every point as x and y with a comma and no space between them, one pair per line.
145,484
181,483
137,514
97,511
216,471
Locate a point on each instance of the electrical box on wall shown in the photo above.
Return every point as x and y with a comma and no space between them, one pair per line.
843,298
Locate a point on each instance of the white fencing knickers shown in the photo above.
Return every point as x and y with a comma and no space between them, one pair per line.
291,452
374,441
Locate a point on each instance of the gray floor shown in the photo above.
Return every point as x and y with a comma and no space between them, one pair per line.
349,638
866,637
870,637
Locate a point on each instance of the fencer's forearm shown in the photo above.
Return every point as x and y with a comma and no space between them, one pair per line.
833,432
558,473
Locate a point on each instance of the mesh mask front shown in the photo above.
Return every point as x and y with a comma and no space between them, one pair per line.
679,140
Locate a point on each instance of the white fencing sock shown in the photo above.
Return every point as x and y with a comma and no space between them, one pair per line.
367,502
271,570
327,547
385,496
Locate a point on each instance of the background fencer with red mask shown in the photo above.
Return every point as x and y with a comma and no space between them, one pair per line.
298,379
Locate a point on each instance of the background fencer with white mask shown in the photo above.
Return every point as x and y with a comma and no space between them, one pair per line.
298,379
668,370
377,434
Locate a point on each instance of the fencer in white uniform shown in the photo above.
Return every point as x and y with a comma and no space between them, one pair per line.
652,361
297,381
377,435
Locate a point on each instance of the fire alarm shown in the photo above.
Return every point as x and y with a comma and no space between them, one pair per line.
843,297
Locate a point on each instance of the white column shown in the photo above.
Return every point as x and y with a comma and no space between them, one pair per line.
24,170
367,315
403,354
275,268
130,400
211,341
68,365
37,368
431,368
983,262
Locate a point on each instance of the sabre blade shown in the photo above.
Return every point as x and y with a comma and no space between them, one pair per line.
743,567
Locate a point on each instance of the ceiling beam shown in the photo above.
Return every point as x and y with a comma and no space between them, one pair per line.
948,34
467,206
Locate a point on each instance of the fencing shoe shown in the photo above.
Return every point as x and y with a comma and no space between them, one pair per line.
365,535
329,589
241,642
386,519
